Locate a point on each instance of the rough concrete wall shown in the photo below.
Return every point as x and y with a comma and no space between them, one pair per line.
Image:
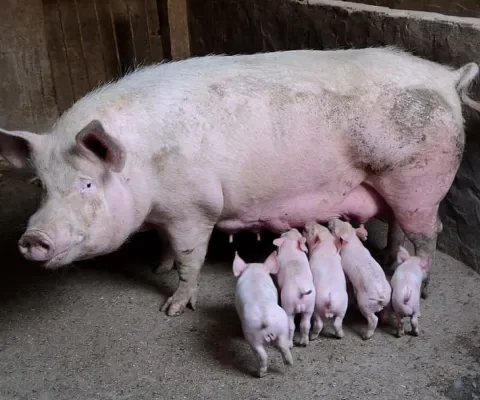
244,26
461,8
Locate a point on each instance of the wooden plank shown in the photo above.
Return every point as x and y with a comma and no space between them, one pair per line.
58,55
91,41
153,29
108,40
74,47
27,98
178,24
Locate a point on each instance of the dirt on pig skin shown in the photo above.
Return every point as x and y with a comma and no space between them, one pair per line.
93,330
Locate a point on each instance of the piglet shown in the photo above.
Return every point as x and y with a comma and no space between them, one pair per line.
331,299
256,300
369,282
406,284
295,280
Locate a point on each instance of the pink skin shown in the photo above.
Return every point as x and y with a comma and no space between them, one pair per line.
234,142
331,299
370,284
256,300
406,284
297,291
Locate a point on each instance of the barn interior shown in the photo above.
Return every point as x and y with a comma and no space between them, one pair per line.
93,330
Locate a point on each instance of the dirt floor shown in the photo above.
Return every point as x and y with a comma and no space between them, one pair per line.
94,331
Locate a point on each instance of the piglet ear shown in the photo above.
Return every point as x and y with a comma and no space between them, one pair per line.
272,264
425,262
301,244
15,146
338,243
278,242
238,265
95,140
402,255
362,233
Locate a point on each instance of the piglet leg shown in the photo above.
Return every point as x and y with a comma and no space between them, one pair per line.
262,358
304,328
283,346
337,325
168,257
291,329
400,329
414,323
317,327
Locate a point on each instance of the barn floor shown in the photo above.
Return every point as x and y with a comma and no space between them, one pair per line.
93,331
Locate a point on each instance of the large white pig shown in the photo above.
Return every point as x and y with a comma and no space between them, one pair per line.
256,142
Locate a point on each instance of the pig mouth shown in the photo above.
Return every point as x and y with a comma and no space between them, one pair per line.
58,260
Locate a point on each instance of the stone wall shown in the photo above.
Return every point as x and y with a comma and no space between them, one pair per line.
248,26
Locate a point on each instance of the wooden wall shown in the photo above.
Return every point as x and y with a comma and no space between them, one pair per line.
52,52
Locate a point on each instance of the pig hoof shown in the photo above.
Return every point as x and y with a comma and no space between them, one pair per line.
174,307
368,336
314,336
340,334
164,267
400,334
414,332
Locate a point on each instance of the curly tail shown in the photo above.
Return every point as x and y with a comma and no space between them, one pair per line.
466,75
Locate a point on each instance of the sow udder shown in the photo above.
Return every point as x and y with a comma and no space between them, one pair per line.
279,215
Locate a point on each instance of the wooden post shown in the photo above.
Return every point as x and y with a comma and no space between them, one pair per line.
178,25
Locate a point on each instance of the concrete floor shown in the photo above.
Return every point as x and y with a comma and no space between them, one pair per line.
94,331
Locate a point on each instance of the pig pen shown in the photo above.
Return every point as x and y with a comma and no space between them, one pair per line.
94,330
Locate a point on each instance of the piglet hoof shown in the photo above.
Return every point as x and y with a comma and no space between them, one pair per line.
425,290
339,334
303,342
313,336
367,336
261,373
400,333
414,332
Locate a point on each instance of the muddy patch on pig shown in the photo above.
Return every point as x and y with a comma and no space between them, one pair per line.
414,109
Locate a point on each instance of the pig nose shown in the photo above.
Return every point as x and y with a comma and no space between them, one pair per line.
36,246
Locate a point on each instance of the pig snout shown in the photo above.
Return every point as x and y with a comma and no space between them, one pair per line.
36,246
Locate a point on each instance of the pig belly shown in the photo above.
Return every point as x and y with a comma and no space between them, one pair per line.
361,204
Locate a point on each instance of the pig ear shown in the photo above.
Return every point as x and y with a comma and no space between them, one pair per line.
105,147
301,244
271,263
425,262
15,146
402,255
278,242
238,265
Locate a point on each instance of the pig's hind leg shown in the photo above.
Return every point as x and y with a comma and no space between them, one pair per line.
189,241
337,326
262,358
283,346
317,326
414,324
304,328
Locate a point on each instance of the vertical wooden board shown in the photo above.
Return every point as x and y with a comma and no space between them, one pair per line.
92,45
178,23
124,37
27,99
74,46
153,27
137,18
109,47
58,55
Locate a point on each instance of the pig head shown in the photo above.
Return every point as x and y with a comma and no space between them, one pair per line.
87,208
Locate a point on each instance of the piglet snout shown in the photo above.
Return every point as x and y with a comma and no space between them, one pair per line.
36,246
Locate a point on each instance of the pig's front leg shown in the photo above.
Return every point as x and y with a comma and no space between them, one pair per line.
168,257
189,242
395,239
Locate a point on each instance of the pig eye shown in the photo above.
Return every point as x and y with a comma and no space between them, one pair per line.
86,185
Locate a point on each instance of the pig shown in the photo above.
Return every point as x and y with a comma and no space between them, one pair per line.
256,301
295,281
260,142
331,299
406,284
369,282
